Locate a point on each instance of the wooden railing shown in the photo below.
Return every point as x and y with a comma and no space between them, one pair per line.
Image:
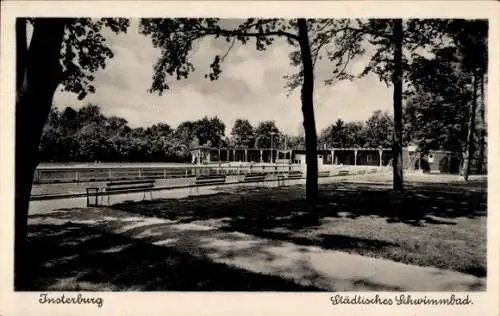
68,174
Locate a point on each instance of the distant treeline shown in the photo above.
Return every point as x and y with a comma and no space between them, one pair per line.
86,135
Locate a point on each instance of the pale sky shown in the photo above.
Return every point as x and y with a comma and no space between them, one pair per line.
251,87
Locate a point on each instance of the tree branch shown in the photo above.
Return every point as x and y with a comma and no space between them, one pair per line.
228,50
328,23
316,51
369,32
225,32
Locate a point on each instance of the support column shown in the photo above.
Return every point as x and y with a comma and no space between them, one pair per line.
333,156
227,151
355,157
380,151
261,155
449,162
246,155
234,155
218,154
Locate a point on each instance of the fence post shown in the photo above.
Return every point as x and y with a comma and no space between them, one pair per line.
76,176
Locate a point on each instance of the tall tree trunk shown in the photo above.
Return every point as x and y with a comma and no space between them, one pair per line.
469,152
308,113
397,81
482,137
38,74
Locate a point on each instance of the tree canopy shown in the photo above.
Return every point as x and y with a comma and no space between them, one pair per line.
87,135
243,133
375,132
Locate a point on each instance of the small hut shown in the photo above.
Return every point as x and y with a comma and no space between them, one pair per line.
431,161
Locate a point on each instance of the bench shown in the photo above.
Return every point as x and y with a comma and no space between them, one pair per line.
342,173
281,172
281,179
95,192
212,179
323,174
130,186
254,177
294,175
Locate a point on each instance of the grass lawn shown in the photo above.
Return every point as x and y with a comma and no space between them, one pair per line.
432,224
441,225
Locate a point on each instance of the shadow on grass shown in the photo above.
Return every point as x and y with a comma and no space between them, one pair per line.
75,257
280,213
285,207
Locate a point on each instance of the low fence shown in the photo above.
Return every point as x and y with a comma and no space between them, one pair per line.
70,174
324,174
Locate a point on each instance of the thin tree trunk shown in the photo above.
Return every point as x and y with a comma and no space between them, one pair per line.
480,162
469,152
308,113
397,80
38,75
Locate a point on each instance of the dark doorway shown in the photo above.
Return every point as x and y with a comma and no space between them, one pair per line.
454,165
422,164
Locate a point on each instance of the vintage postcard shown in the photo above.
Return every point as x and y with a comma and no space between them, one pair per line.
205,157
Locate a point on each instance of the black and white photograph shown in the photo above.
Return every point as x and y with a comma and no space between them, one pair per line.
346,156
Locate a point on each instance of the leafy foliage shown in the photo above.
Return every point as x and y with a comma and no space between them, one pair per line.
442,84
88,135
243,133
296,142
176,37
264,132
378,130
433,83
470,38
210,131
84,51
375,132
